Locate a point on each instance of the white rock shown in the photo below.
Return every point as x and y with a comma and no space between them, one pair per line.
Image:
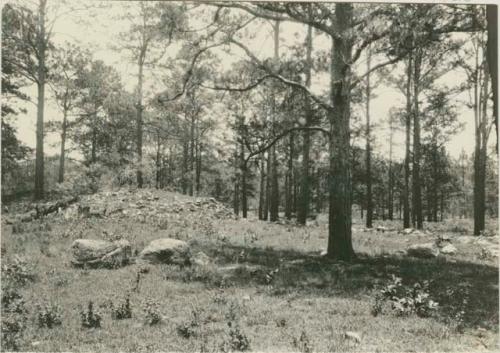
448,249
354,336
166,250
426,250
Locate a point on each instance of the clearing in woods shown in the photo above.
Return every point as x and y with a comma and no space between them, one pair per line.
260,287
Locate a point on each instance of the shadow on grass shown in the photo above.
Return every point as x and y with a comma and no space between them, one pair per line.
289,272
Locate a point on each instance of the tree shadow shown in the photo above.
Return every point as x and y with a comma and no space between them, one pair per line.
455,285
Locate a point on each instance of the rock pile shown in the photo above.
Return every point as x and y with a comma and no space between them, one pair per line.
144,203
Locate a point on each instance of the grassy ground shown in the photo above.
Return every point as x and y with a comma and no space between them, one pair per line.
267,283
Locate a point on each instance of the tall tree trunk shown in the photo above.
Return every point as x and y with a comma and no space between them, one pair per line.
94,145
275,197
244,203
158,160
406,192
492,57
340,237
184,171
267,198
416,192
192,161
480,154
369,201
289,179
198,168
139,116
390,176
262,188
63,146
39,155
435,185
305,190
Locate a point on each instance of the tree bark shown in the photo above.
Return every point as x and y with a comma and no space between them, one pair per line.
406,192
63,146
139,117
416,192
39,155
340,237
390,177
274,197
289,179
305,190
262,188
369,201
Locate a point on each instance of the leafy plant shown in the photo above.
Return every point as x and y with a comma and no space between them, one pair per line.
89,317
48,315
123,310
152,313
303,343
405,300
13,327
187,329
18,272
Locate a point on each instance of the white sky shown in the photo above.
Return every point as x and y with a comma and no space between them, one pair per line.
101,32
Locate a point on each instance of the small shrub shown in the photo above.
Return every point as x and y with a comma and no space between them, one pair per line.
152,313
18,228
48,315
89,317
13,327
405,300
238,340
18,272
10,295
303,343
188,329
122,311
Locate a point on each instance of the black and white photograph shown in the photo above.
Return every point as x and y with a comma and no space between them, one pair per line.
249,176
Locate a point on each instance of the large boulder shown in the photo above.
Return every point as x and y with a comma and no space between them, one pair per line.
100,253
426,250
168,251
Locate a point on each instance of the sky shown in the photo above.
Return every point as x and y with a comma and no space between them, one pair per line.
99,32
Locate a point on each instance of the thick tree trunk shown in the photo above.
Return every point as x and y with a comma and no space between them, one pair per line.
39,155
63,146
192,157
340,237
435,186
198,168
244,203
416,192
369,201
406,192
492,57
305,190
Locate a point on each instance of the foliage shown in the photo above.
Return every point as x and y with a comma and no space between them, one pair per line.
18,272
48,315
406,300
89,317
123,310
152,313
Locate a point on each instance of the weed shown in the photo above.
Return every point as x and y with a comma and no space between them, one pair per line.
188,328
236,339
303,343
152,313
89,317
406,300
13,327
123,310
18,272
48,315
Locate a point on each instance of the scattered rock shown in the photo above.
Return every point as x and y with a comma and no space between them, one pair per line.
448,249
426,250
100,253
464,239
353,336
407,230
168,251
